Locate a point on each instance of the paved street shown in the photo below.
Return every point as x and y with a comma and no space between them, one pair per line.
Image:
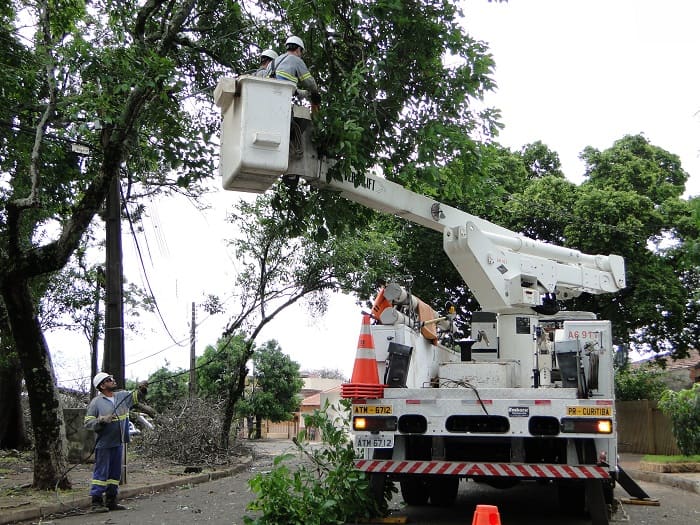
224,501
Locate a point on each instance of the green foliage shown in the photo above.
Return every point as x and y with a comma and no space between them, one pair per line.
325,489
398,82
640,383
274,393
684,410
218,367
166,387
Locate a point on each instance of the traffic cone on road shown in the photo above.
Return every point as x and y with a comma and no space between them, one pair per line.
364,383
486,515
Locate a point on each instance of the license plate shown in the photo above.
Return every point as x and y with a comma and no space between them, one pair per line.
590,411
374,441
371,410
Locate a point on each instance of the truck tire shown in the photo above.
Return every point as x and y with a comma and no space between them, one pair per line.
414,491
443,490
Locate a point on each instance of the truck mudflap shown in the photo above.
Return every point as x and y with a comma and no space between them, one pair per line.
468,469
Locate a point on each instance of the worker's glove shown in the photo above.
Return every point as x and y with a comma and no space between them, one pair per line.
105,419
302,93
143,388
315,98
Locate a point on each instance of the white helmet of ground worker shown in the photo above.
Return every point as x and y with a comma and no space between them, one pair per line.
99,378
269,53
294,40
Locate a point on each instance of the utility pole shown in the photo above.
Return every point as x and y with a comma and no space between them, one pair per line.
193,375
113,358
99,282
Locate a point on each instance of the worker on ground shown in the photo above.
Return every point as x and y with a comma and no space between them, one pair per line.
266,58
108,416
292,68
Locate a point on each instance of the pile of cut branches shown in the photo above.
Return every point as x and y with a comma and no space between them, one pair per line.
188,433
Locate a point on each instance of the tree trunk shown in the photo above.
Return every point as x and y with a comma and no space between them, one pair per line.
258,426
12,433
46,414
235,391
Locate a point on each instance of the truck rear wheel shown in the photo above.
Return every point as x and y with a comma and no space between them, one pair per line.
443,490
414,491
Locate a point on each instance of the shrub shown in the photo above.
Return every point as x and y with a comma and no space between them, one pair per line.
324,489
683,408
642,383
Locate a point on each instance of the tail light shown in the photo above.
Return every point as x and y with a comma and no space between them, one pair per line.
374,424
586,426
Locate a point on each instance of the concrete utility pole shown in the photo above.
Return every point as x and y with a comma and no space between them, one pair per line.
99,283
113,358
193,361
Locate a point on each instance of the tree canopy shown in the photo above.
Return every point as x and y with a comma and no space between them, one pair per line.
275,386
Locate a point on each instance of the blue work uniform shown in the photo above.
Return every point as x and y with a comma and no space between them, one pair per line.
109,439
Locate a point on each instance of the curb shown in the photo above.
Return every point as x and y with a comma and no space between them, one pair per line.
80,502
665,479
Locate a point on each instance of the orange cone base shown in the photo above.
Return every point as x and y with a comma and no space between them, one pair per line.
486,515
361,391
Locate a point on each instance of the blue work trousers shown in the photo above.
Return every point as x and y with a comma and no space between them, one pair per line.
107,472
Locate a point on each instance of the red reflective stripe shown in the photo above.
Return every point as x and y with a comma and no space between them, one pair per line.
586,472
457,467
522,470
543,401
492,469
508,470
430,466
385,466
414,467
551,471
571,472
474,469
554,470
443,468
538,471
401,466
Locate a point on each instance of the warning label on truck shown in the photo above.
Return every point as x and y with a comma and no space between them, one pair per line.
592,411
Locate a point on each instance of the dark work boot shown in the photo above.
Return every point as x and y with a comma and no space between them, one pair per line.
98,505
113,505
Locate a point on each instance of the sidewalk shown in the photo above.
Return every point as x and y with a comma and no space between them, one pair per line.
639,471
31,511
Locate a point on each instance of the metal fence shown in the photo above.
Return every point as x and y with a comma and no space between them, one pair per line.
643,429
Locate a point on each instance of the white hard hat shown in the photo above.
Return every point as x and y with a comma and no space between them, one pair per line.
269,53
99,378
294,40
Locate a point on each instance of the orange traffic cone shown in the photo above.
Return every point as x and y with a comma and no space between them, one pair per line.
364,383
486,515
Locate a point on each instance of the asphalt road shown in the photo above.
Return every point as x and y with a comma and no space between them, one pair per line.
532,504
224,501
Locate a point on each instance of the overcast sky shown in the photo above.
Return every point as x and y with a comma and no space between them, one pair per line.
570,73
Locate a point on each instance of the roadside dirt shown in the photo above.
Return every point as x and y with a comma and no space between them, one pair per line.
16,475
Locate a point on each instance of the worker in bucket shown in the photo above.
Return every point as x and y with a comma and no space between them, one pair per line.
266,58
291,67
108,416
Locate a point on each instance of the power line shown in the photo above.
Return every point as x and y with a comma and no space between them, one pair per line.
145,273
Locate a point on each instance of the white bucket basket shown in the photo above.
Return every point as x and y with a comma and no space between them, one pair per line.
256,117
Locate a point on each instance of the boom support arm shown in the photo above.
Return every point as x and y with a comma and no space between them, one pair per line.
506,272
